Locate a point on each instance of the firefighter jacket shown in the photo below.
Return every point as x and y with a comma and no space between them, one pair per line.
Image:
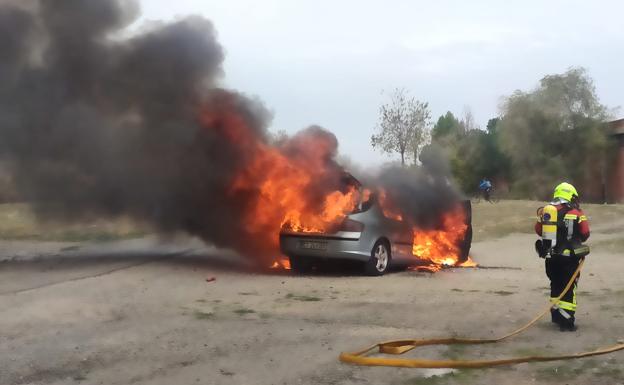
572,231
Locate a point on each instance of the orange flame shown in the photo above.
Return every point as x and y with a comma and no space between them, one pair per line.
468,263
281,263
283,197
387,208
294,185
442,246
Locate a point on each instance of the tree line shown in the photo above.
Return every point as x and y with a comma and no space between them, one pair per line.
554,132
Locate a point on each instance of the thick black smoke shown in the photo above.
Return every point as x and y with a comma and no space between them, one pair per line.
421,194
95,125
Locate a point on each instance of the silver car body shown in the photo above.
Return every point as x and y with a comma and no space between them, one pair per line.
353,245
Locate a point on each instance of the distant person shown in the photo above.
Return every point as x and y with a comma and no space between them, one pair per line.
485,186
563,227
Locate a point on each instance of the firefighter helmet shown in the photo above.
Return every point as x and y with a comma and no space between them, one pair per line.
565,191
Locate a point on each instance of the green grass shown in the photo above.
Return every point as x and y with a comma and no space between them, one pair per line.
526,352
610,245
304,298
457,351
18,222
244,311
502,292
572,370
491,221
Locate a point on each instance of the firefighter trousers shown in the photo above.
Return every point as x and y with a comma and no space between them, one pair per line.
559,269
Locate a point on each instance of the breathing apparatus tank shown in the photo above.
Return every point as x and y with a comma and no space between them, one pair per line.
547,216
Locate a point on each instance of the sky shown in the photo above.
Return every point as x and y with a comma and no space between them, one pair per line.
333,63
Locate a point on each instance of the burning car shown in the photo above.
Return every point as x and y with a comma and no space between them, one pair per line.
379,238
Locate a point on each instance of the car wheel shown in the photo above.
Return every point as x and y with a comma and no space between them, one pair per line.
379,261
300,265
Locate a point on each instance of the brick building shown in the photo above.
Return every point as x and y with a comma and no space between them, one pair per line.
615,176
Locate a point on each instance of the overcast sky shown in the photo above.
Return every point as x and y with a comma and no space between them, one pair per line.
327,62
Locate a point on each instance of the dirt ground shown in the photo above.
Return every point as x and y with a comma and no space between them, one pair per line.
142,311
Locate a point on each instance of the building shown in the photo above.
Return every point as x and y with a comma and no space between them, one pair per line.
615,176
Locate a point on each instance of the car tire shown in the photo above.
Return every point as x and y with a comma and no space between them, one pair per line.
465,245
300,265
379,261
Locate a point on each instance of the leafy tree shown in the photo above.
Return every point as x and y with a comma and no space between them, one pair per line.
472,153
446,126
403,126
554,133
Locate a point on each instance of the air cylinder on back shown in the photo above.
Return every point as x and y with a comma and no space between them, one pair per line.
549,226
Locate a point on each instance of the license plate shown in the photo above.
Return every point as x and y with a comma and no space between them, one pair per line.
313,245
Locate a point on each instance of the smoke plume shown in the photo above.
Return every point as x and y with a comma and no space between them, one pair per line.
96,125
420,193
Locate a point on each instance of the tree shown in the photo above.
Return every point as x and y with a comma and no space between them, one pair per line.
467,121
446,126
554,133
403,126
473,153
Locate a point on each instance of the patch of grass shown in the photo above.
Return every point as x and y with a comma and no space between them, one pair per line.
491,221
610,245
244,311
19,222
201,300
203,315
304,298
524,352
248,293
572,370
71,248
609,371
456,351
457,290
501,292
603,213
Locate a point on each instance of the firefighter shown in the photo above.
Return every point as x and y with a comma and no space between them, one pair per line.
563,227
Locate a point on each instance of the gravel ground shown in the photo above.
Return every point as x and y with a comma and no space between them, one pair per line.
143,311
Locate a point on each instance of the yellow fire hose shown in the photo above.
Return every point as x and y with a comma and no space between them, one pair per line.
402,346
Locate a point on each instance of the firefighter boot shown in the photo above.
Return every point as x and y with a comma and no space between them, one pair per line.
567,325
